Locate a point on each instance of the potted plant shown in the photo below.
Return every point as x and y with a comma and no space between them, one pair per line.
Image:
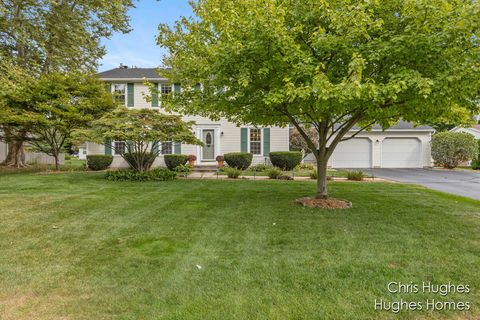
220,160
191,159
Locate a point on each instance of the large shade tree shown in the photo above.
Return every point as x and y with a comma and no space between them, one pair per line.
335,65
42,36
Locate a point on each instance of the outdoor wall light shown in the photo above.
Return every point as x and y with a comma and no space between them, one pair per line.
221,133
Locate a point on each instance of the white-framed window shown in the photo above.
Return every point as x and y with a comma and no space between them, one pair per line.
167,147
255,141
119,91
119,147
165,89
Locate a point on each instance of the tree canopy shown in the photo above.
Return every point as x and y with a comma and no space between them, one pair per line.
330,64
43,36
51,107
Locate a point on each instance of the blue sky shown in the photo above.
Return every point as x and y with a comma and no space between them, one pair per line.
138,48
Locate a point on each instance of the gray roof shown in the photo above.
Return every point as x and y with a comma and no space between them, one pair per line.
130,73
402,125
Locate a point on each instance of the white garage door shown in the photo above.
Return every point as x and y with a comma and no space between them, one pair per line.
401,153
353,153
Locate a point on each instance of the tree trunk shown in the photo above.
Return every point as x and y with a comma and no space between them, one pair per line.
57,166
16,155
322,192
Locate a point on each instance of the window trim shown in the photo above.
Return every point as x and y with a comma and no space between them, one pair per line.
112,91
261,141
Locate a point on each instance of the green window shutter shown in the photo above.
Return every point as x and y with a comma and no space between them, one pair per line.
108,147
266,141
177,147
244,140
155,147
130,88
155,96
176,87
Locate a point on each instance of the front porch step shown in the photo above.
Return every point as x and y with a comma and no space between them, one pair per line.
205,168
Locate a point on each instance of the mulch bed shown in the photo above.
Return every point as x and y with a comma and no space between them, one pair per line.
329,203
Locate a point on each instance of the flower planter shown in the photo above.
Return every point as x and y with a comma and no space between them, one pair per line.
220,164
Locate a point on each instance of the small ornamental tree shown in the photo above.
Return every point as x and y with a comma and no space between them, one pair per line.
298,142
338,66
449,149
142,130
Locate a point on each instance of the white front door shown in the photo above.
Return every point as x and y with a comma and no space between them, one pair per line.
208,150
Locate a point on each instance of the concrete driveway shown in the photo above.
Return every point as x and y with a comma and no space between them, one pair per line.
460,182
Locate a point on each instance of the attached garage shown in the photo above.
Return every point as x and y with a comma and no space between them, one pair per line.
353,153
401,153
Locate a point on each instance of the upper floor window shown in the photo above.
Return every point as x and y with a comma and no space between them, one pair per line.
256,141
119,92
165,89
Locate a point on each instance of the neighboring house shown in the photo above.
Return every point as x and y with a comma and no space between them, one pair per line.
220,137
473,130
401,146
82,151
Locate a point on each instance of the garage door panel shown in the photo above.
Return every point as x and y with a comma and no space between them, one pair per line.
354,153
401,153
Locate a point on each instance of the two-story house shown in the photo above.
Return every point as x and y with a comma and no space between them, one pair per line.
220,137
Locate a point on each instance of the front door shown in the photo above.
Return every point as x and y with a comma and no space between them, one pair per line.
208,139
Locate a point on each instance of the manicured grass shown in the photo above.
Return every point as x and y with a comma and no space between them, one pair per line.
74,246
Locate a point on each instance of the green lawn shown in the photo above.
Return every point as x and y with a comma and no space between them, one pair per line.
74,246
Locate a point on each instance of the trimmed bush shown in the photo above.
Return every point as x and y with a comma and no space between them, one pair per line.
99,162
284,177
476,162
174,160
449,149
157,174
314,174
274,173
355,175
233,173
139,161
238,160
286,160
